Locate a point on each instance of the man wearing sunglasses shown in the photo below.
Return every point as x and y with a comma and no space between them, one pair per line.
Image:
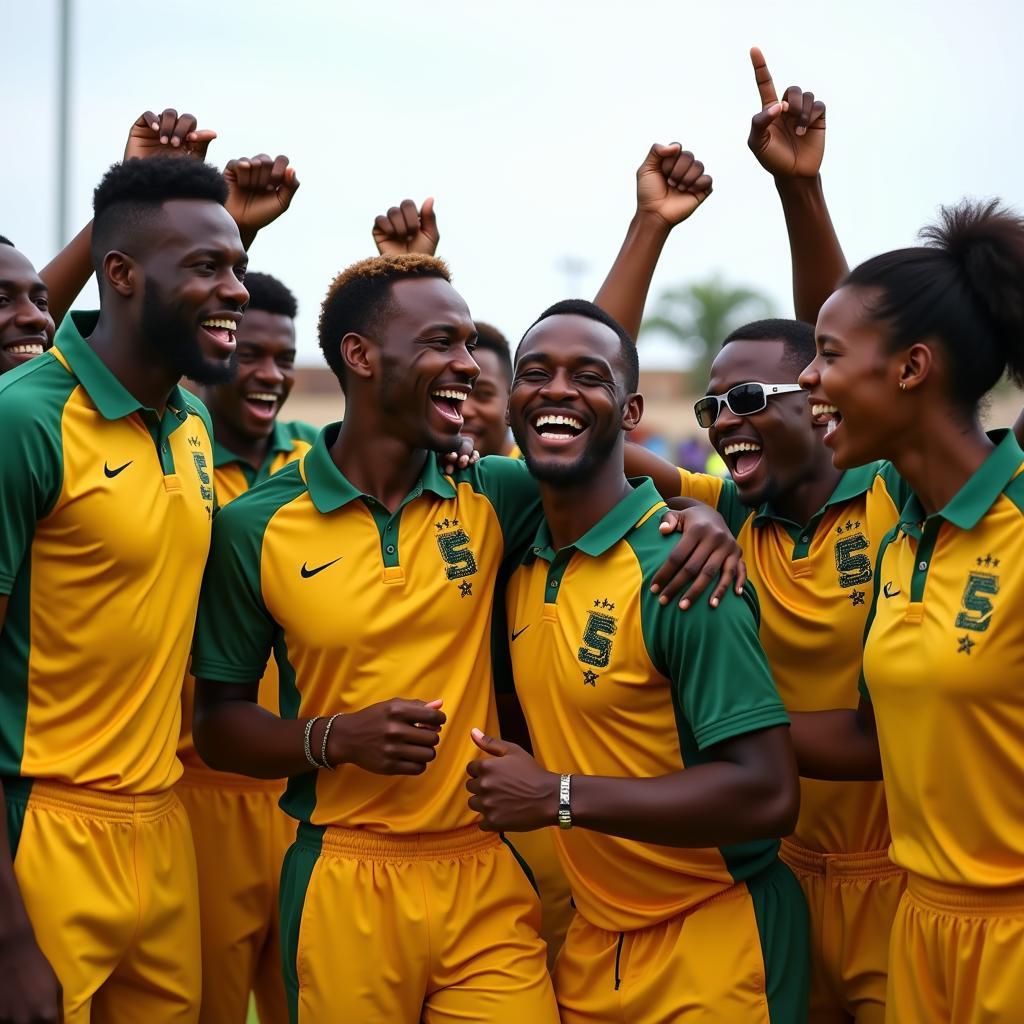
809,533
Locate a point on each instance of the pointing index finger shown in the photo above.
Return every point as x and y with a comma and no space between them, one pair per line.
763,77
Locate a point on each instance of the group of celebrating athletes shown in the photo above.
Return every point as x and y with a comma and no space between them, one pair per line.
253,675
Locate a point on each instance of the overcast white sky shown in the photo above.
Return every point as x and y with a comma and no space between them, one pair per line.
526,120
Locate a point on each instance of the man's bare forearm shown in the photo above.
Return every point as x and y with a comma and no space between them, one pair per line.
624,292
817,257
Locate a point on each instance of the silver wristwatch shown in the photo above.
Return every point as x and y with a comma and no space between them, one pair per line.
564,802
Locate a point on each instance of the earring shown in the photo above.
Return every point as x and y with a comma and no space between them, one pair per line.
903,385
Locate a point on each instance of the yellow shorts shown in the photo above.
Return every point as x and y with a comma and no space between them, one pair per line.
109,882
241,837
739,958
435,927
957,954
852,899
556,910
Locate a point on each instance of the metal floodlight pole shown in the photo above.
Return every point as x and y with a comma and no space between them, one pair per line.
63,117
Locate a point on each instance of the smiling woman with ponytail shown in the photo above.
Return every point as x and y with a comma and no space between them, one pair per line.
907,349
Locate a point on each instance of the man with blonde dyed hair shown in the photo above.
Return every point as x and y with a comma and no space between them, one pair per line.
369,574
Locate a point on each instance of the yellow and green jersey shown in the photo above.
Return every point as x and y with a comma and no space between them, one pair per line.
944,668
813,582
612,683
106,509
232,477
359,605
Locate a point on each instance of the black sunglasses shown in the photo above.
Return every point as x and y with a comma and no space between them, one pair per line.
742,400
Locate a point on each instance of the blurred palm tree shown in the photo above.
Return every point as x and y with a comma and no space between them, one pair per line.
701,314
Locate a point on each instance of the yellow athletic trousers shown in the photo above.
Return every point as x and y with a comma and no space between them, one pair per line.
109,882
852,899
740,957
438,927
537,848
956,955
241,836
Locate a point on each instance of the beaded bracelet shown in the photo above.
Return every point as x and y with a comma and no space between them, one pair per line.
323,746
305,742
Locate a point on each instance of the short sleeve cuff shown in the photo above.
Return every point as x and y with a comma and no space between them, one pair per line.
225,672
746,721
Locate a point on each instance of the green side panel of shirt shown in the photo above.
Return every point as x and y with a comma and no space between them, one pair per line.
32,400
514,495
234,631
731,509
721,684
299,798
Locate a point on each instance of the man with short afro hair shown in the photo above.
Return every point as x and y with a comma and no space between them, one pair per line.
361,295
105,483
378,580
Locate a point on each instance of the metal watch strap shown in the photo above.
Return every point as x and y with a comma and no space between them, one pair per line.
565,802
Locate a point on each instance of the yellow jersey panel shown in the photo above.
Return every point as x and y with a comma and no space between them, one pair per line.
359,605
813,582
943,665
614,684
108,509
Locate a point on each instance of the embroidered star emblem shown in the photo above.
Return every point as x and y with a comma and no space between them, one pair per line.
849,525
589,678
995,563
466,589
966,643
856,525
857,597
597,602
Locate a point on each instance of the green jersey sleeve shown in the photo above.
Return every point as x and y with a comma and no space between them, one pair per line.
234,630
32,401
514,495
712,656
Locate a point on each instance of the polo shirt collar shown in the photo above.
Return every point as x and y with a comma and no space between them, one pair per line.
852,484
107,393
279,442
329,489
609,530
967,507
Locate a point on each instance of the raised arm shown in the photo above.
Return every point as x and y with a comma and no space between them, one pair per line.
670,185
788,139
151,134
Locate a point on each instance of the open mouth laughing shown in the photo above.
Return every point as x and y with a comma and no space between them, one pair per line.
221,330
557,429
26,348
827,415
742,457
448,401
262,404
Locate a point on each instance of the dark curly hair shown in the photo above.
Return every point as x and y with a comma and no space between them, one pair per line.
361,295
266,292
131,193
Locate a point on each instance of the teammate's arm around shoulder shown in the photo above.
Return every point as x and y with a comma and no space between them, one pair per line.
787,137
670,185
